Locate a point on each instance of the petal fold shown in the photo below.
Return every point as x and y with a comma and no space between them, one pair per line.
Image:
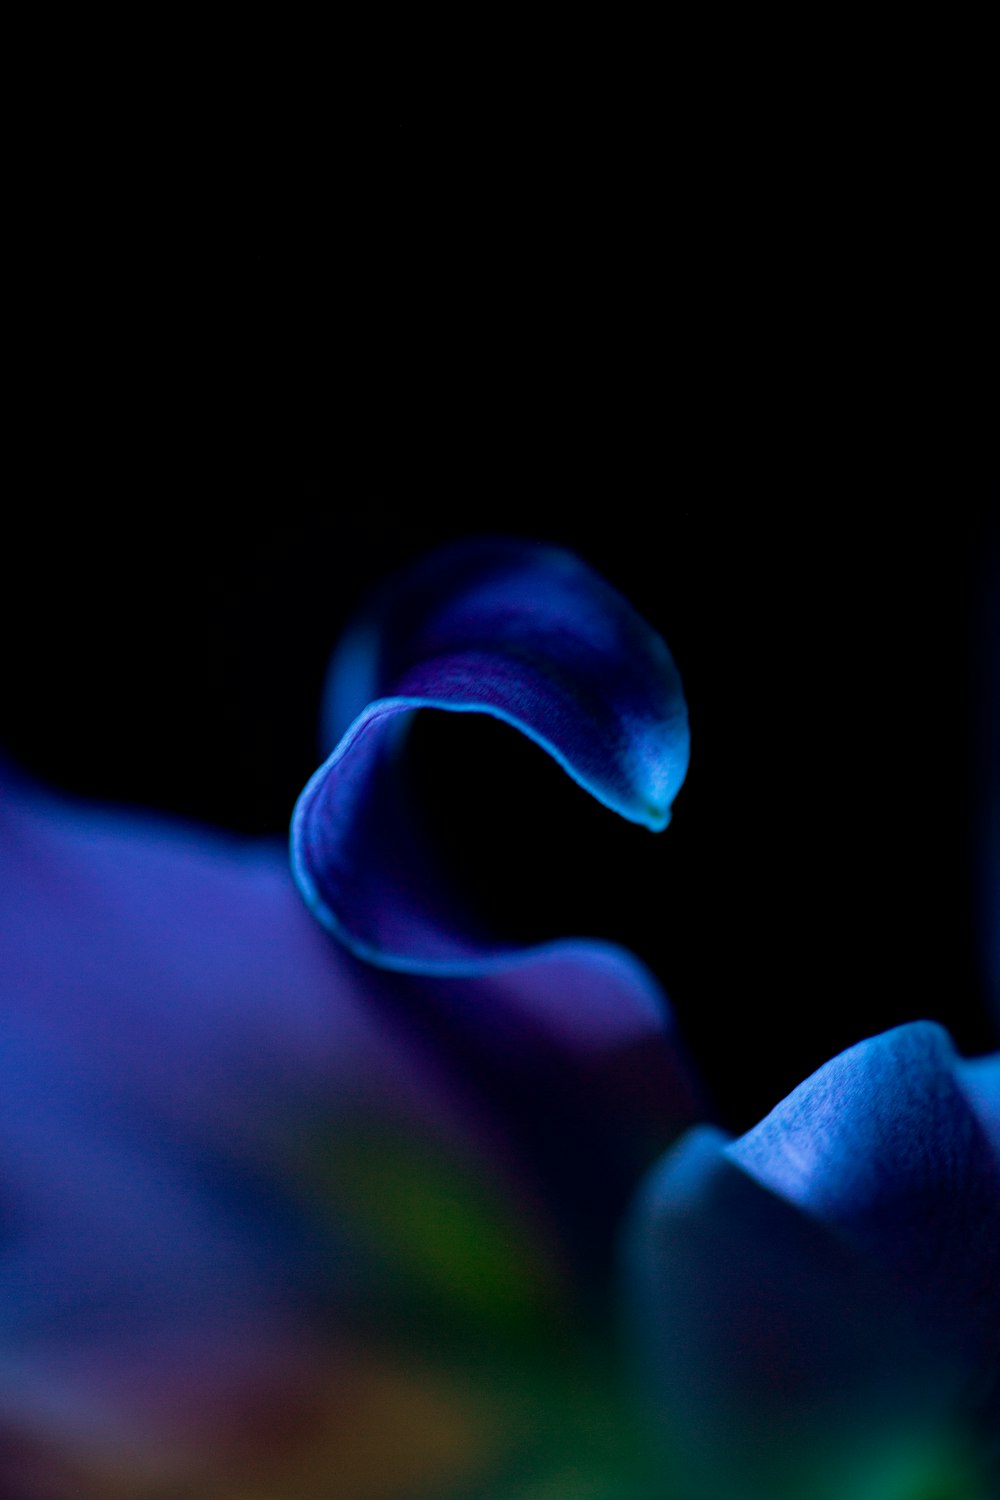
527,634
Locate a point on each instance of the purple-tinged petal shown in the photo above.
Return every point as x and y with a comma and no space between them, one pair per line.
176,1032
524,633
190,1067
178,974
130,944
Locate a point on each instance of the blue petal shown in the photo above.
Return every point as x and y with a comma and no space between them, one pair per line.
981,1086
774,1362
524,633
817,1304
884,1145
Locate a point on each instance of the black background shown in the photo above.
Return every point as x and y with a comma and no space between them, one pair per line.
248,385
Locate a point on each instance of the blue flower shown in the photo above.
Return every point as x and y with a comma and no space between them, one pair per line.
313,1183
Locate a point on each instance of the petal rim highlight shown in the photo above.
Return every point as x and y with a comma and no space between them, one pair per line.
523,633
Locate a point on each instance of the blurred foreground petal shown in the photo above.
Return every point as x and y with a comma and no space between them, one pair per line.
240,1169
173,1028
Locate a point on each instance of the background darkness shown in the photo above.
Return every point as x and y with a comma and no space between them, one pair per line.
245,393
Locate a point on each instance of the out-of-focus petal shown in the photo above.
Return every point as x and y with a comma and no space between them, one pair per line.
567,1063
522,632
814,1307
207,1106
173,1027
176,1035
129,942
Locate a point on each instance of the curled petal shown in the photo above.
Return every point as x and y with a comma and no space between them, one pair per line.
521,632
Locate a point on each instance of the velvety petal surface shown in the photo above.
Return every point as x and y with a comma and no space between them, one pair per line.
527,634
813,1307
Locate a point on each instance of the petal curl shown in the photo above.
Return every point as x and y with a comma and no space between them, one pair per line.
527,634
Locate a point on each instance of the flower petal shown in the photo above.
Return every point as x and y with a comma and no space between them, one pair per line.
567,1066
521,632
117,929
206,1102
816,1305
775,1361
980,1081
172,1024
884,1145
